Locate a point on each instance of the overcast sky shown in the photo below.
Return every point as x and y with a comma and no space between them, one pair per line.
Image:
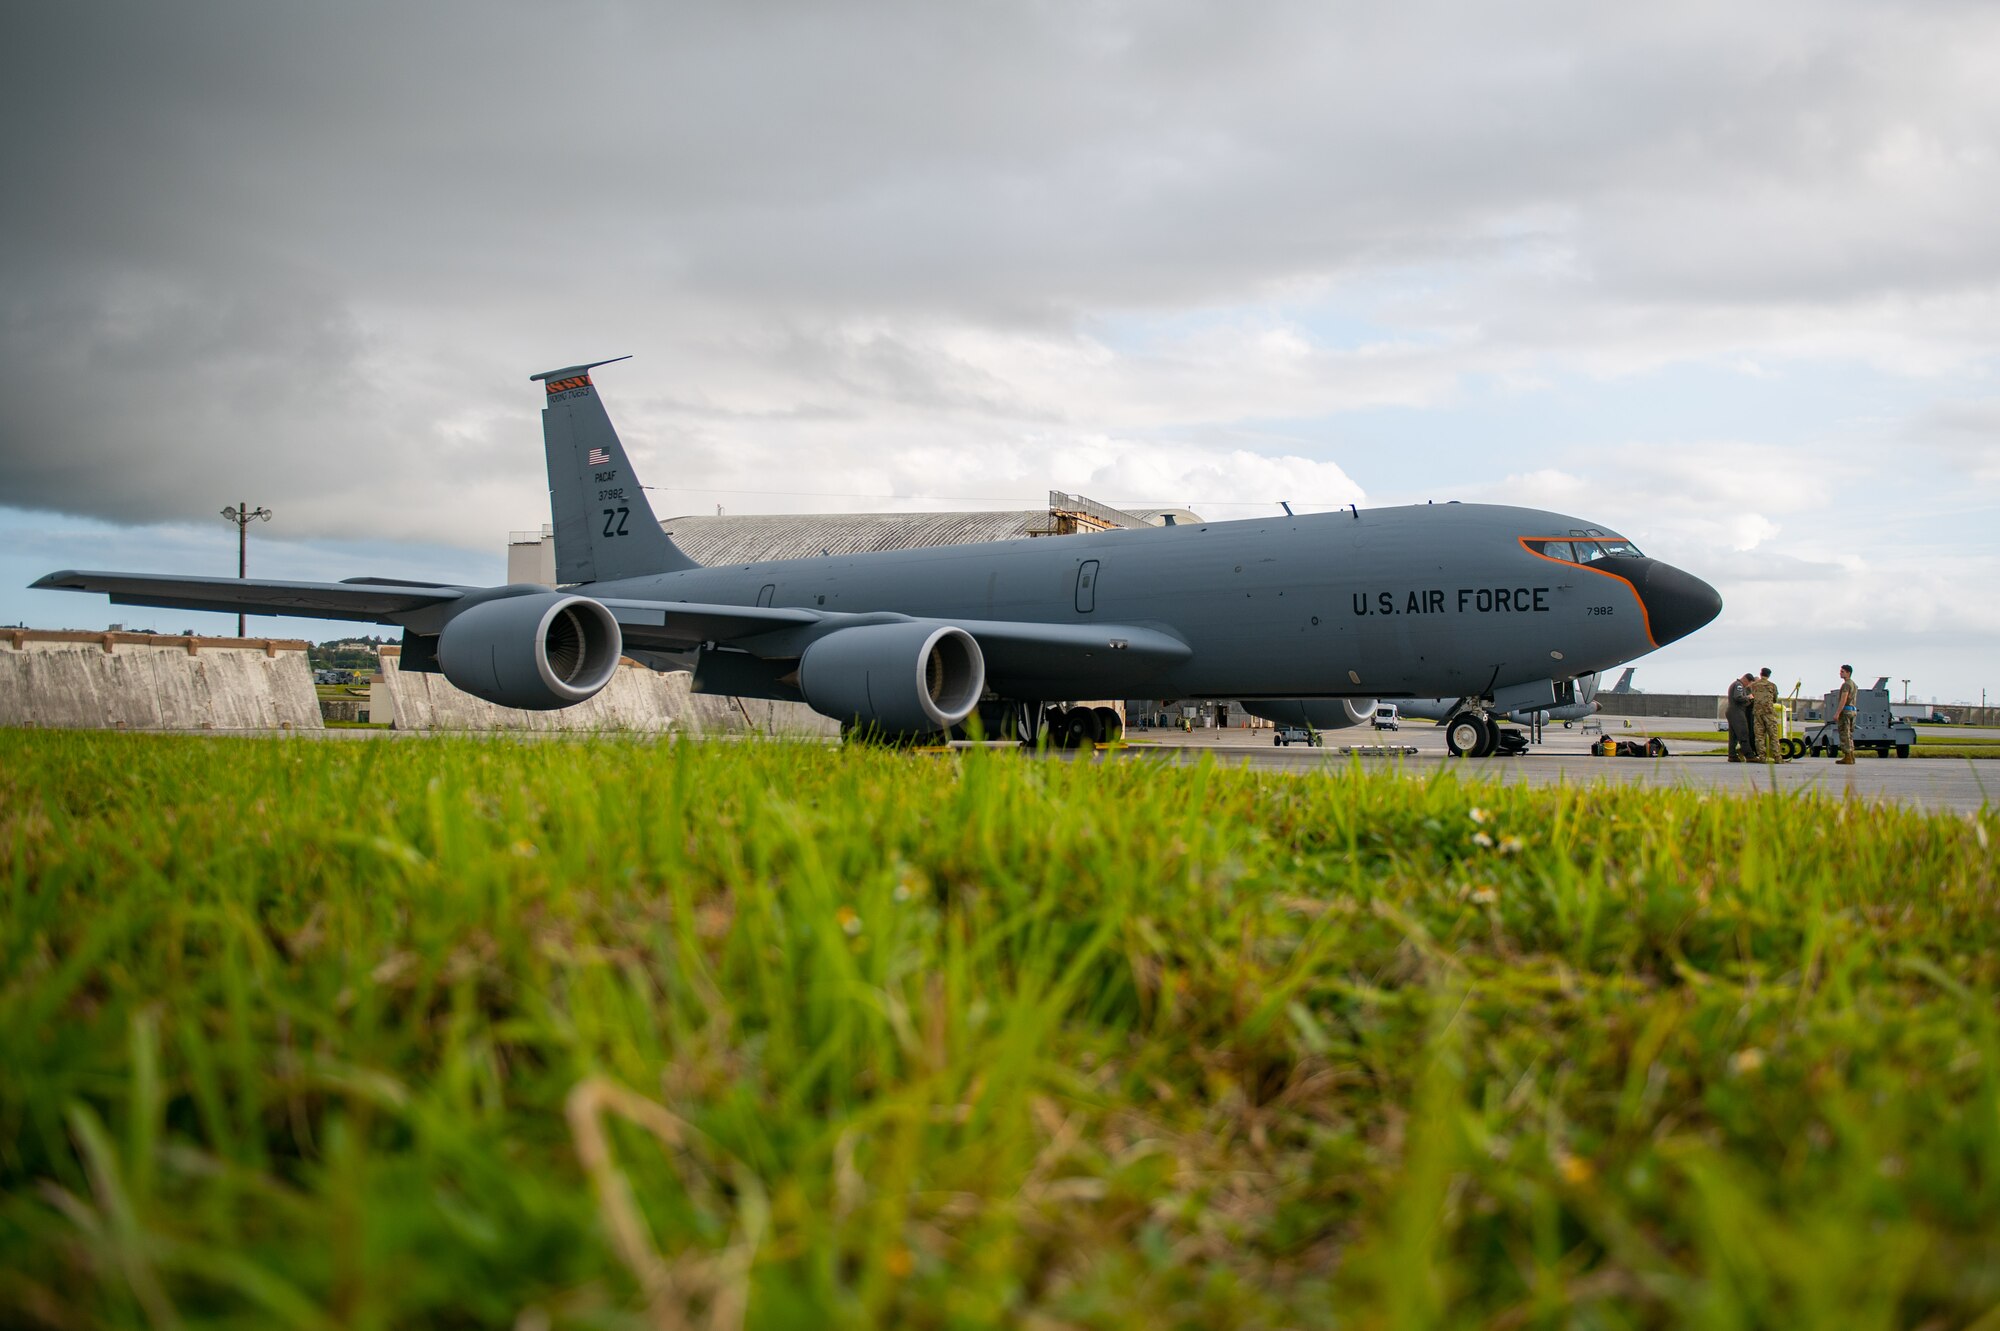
1722,277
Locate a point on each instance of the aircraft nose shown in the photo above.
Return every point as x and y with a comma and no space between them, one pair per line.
1677,603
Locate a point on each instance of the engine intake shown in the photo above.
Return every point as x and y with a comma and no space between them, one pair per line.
538,652
899,679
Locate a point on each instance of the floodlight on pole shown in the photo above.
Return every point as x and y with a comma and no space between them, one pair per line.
243,516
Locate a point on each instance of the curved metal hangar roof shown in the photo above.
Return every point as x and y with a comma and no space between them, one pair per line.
755,537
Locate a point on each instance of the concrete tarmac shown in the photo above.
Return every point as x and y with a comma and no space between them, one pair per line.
1936,784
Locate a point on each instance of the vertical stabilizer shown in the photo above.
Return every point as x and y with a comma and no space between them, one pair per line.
604,528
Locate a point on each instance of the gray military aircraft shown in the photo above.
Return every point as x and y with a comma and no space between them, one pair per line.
1480,602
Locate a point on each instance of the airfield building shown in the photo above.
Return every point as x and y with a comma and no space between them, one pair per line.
531,556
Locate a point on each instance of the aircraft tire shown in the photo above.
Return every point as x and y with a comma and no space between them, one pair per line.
1466,736
1081,724
1110,725
1278,741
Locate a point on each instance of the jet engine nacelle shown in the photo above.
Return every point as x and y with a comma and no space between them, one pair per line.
539,651
1319,713
898,679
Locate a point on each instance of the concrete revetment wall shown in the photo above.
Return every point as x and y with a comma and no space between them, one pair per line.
638,699
143,681
1662,704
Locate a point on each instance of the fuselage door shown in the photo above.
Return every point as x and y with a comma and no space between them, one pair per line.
1086,587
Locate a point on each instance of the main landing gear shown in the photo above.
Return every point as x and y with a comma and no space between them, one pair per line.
1470,734
1067,727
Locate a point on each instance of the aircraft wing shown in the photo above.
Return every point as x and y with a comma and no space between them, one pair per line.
371,599
1013,650
677,626
1018,651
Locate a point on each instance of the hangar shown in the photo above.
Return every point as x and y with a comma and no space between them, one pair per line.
531,555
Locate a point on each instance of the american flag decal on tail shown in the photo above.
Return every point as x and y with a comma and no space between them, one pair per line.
598,458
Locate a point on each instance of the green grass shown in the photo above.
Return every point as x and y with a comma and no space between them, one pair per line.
606,1034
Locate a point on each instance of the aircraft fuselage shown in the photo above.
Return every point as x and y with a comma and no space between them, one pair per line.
1437,599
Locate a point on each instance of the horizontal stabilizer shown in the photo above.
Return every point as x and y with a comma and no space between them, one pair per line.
572,371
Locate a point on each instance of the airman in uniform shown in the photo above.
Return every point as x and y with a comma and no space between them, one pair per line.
1764,709
1742,747
1844,711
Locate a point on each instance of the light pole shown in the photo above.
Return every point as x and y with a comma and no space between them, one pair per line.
1906,693
242,517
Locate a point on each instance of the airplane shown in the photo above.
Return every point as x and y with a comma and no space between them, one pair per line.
1624,684
1488,603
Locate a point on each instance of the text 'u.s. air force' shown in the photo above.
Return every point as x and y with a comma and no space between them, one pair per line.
1463,600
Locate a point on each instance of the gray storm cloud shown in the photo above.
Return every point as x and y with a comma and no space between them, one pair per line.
314,250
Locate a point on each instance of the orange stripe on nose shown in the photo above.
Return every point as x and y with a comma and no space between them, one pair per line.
1645,617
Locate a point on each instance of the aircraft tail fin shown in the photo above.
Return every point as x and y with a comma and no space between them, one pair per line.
604,526
1624,684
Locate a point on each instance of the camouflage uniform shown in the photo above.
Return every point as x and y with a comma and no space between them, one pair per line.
1845,718
1764,708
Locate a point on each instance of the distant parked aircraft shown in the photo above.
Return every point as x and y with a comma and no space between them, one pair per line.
1624,684
1493,605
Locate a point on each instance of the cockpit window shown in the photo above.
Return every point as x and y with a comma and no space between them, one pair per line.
1585,546
1603,547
